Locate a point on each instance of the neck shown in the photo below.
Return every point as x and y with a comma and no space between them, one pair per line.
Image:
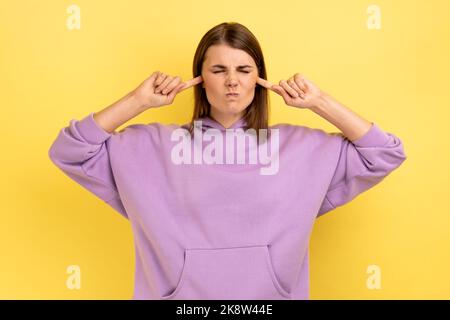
226,120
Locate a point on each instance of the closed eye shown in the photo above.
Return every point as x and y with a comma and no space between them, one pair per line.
222,71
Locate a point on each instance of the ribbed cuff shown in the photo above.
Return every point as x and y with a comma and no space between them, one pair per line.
375,137
91,131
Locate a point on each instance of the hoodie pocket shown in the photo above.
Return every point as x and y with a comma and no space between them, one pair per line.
241,273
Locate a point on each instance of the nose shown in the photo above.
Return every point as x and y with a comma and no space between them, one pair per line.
231,80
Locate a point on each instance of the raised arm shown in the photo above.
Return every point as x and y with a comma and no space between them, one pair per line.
82,149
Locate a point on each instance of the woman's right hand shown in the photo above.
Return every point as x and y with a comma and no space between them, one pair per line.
160,89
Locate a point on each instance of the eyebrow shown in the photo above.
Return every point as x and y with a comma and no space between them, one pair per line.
224,67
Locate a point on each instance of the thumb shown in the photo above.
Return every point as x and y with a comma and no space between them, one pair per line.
181,86
175,91
280,90
151,80
277,89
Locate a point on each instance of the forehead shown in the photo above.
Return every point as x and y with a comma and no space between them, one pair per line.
225,55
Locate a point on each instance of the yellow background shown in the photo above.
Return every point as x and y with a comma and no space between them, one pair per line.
397,76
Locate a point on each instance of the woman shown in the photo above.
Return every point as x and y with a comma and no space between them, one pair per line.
218,229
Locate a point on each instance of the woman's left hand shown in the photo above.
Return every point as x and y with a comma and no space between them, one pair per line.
297,91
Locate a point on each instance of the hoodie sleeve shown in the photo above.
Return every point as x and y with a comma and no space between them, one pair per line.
81,151
361,165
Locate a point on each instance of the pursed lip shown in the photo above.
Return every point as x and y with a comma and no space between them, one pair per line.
232,93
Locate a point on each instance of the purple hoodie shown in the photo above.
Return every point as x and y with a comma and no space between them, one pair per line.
222,231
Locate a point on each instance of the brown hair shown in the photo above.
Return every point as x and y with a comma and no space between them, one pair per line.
236,36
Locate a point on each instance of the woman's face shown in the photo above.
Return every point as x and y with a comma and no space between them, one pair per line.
224,70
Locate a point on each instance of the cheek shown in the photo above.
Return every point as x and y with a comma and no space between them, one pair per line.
250,86
210,83
252,82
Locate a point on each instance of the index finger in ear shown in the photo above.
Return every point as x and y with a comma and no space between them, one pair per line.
262,82
192,82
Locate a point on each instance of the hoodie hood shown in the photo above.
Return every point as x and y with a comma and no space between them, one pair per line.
208,122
